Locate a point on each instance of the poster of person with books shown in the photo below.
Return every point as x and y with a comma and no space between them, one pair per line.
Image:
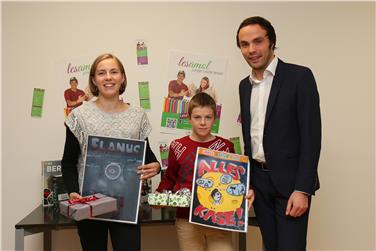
220,183
189,74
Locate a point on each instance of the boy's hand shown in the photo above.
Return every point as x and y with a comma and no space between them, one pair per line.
250,197
149,170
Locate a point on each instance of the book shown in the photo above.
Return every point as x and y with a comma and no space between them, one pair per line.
111,168
220,183
52,183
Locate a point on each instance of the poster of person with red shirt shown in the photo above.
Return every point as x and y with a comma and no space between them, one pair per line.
220,183
72,74
73,96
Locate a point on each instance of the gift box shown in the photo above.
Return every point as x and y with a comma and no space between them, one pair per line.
87,207
158,199
182,198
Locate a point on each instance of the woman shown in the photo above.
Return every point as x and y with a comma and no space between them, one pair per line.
207,88
106,116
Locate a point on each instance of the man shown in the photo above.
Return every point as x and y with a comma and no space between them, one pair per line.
281,126
176,88
74,96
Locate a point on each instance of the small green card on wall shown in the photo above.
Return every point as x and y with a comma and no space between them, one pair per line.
236,142
37,105
144,94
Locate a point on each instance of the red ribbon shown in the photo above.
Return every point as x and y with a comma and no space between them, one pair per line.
83,200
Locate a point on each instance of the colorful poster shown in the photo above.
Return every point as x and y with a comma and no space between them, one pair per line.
37,103
220,184
111,169
144,94
73,77
189,74
142,53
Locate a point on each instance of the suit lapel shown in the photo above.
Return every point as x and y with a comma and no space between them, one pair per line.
276,85
247,101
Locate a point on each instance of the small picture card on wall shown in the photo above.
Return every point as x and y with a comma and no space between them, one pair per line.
37,104
236,142
144,94
142,53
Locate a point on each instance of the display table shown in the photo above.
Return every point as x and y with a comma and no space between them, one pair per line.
44,220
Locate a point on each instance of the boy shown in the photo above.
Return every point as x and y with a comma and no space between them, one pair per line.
179,174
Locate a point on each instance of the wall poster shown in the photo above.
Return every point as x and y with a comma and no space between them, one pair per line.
189,74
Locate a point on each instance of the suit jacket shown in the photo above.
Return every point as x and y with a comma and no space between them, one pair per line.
292,131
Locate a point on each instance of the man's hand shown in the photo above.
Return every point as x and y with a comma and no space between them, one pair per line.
149,170
81,99
297,204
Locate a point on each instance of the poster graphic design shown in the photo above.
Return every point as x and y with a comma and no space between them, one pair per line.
220,183
111,169
37,103
142,53
73,77
53,184
189,74
163,151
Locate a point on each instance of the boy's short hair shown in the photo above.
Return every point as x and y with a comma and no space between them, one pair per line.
181,73
202,99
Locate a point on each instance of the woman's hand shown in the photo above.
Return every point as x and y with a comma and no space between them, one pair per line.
74,196
149,170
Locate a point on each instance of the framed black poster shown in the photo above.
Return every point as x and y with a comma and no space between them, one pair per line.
111,169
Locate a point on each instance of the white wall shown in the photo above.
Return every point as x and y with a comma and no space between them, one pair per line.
337,40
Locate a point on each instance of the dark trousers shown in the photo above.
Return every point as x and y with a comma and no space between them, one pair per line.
93,235
279,232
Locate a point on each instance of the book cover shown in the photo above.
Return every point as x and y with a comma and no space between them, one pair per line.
52,183
220,183
111,169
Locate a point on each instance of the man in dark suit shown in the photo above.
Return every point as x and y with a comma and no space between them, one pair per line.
281,126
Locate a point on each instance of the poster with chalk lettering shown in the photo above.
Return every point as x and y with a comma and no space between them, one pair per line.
220,183
111,169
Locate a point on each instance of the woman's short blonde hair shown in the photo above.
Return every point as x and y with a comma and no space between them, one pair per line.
100,58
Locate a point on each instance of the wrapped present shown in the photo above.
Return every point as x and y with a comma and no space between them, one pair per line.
182,198
158,199
87,207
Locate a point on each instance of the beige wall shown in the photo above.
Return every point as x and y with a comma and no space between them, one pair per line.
337,40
